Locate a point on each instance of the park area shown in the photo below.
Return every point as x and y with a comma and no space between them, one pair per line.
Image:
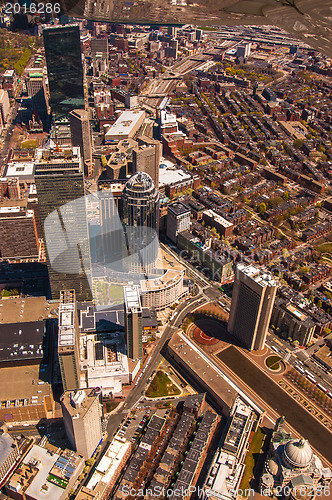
251,459
162,386
325,250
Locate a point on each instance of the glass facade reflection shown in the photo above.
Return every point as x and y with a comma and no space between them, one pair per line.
61,195
140,211
64,68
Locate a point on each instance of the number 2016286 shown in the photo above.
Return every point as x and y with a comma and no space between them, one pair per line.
33,8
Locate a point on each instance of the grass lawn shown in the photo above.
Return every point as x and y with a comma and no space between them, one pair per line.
58,481
273,362
115,292
161,386
325,247
251,459
110,406
29,144
208,28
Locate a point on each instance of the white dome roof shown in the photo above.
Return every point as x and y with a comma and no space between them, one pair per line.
298,453
139,181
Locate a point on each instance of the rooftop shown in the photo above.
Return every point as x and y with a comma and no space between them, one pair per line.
6,447
109,464
67,318
20,341
66,157
23,385
78,403
15,310
220,220
171,174
161,282
125,123
20,169
40,488
132,297
178,208
262,278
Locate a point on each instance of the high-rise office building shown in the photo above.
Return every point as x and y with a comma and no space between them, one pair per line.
35,80
253,297
146,157
81,137
172,30
99,46
133,321
112,235
60,189
4,106
244,50
64,69
68,341
82,414
178,219
140,218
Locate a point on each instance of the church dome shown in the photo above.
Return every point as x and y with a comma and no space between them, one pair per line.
298,453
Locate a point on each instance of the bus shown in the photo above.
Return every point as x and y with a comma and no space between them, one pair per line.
274,348
322,388
299,369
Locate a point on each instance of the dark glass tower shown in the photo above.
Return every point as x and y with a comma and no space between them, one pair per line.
64,69
60,189
140,219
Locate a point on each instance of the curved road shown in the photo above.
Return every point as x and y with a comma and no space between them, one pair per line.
138,390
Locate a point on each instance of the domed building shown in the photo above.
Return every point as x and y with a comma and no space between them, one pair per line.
140,219
297,454
291,469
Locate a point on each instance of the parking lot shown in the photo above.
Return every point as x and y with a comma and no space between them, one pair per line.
133,425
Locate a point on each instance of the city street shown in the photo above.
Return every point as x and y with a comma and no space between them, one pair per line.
138,390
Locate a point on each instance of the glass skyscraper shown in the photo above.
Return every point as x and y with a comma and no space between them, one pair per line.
64,69
62,205
140,219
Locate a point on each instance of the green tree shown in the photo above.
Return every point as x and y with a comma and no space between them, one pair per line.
298,143
103,160
261,208
285,195
319,304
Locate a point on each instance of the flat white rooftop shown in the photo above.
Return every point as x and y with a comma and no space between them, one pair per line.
125,123
220,220
261,277
20,169
66,325
132,297
169,173
46,462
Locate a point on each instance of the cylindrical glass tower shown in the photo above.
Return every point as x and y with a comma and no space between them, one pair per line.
140,218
